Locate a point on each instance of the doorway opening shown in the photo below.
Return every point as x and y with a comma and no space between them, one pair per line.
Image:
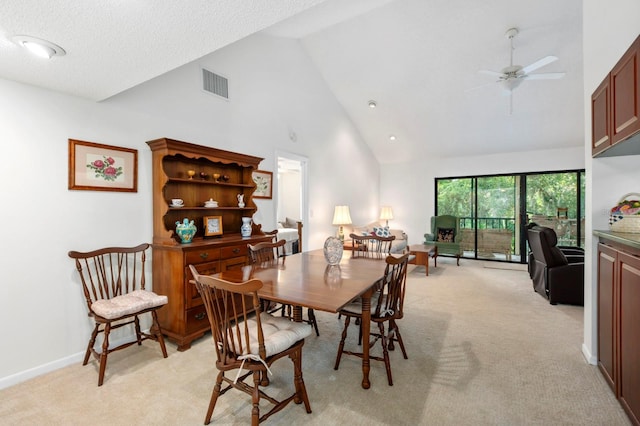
292,191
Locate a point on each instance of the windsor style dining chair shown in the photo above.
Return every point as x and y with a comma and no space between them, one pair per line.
247,339
386,307
113,283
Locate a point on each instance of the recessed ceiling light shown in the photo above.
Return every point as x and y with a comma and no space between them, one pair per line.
41,48
372,104
392,138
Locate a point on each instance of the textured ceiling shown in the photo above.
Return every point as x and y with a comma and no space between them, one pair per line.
418,59
114,45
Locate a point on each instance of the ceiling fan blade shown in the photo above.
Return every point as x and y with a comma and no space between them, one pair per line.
539,64
545,76
491,73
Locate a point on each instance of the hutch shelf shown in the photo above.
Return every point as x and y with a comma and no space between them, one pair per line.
196,174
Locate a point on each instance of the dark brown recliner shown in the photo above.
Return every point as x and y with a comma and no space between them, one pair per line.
556,276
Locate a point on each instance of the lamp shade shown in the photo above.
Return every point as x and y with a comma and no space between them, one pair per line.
386,213
341,216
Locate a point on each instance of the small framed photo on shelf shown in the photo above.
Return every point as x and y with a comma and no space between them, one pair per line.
264,184
212,225
98,167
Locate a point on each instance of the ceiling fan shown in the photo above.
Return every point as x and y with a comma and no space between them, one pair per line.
512,76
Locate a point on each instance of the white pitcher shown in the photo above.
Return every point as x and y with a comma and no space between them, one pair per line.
245,229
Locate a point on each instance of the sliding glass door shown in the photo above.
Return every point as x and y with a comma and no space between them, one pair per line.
497,217
495,210
552,201
456,197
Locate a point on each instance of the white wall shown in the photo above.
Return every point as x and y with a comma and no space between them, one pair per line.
413,208
609,29
274,89
289,201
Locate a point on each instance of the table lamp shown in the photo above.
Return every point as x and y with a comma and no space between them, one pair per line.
341,217
386,213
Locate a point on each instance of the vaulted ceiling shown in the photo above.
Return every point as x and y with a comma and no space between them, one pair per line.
417,59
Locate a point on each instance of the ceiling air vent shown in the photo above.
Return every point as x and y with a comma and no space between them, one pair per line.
214,83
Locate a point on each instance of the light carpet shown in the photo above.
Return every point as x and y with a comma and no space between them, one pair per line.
484,349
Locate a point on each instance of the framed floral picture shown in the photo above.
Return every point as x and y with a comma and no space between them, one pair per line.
212,225
264,184
98,167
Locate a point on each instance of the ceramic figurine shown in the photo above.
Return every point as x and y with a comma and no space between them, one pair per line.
185,230
240,198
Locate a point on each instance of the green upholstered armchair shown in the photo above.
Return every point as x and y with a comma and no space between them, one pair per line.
445,234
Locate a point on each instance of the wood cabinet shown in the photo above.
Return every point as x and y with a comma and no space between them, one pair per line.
606,325
601,118
619,323
615,108
625,95
184,319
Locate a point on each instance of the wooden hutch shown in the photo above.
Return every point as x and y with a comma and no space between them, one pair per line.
184,318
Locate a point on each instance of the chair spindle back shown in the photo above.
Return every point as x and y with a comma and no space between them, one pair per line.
110,272
229,312
266,252
371,246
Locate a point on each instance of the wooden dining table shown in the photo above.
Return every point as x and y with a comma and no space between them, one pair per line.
307,280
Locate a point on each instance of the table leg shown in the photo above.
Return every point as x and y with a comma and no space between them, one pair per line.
426,264
366,335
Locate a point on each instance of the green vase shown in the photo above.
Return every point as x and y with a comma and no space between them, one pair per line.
185,230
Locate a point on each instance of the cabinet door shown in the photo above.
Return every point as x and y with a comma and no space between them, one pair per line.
606,313
601,117
629,273
625,94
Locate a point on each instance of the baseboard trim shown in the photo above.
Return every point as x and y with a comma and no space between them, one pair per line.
588,355
25,375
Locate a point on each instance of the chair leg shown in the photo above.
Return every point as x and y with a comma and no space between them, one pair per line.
385,353
312,320
136,323
341,345
394,334
255,399
214,398
92,341
298,381
157,331
103,355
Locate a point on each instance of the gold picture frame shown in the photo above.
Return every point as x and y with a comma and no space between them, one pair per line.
98,167
212,225
264,184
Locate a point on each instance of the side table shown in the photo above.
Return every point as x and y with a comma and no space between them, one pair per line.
422,252
348,245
